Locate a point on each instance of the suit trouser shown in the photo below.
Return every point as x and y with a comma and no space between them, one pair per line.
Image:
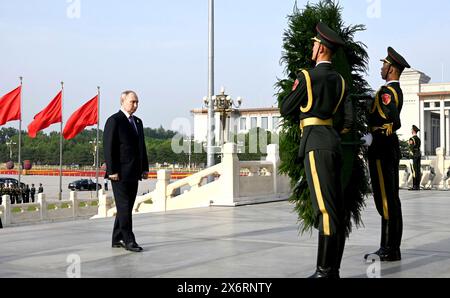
323,173
124,196
385,184
417,173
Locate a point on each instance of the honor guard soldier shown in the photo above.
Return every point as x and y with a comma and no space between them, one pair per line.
416,156
317,95
384,155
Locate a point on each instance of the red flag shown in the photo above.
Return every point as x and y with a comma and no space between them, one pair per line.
87,115
10,106
48,116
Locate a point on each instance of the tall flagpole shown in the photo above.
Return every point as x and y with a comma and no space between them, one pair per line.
61,143
211,124
97,141
20,133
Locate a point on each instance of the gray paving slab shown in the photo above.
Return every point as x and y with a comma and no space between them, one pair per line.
258,241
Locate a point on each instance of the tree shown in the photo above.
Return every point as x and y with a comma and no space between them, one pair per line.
351,62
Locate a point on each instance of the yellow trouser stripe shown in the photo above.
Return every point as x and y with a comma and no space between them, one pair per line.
413,171
383,191
318,191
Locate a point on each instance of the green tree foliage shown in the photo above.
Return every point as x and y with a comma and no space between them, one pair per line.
44,149
351,62
253,145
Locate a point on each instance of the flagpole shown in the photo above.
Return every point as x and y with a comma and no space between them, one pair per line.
97,155
20,133
61,143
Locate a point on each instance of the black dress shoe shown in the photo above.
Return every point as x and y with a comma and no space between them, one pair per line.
119,244
326,273
414,189
134,247
386,255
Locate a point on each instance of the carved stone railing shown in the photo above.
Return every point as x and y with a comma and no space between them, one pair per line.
46,210
234,183
434,172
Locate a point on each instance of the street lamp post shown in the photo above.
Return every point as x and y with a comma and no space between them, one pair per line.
10,143
189,139
211,128
94,150
223,104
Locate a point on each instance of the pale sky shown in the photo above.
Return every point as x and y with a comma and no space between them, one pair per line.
160,49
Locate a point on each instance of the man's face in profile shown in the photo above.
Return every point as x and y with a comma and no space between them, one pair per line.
130,103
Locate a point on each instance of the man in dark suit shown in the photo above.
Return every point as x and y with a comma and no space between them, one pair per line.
317,96
126,164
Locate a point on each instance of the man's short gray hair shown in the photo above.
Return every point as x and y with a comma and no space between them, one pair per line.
126,93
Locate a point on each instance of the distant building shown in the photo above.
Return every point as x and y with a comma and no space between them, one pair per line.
240,121
426,105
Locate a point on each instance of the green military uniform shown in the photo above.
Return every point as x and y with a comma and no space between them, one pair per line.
384,158
416,156
317,96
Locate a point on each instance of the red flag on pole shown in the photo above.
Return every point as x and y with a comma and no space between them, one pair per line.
87,115
10,106
50,115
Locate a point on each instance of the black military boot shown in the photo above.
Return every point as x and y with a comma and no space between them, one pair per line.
383,242
340,252
397,230
389,251
326,258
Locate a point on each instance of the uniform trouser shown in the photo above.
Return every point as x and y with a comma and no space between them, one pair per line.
385,184
417,175
323,174
124,196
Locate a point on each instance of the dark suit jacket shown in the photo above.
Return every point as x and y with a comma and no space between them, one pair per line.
125,151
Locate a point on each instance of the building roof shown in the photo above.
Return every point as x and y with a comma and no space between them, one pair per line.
271,110
434,94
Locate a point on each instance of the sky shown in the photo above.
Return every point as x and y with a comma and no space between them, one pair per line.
160,50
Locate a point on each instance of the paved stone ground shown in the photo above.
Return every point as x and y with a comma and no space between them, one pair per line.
259,241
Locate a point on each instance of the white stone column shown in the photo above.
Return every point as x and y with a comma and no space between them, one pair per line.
231,175
160,198
442,125
274,157
440,166
43,206
104,205
74,201
422,126
447,131
6,203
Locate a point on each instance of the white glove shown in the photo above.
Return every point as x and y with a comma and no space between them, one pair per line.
368,139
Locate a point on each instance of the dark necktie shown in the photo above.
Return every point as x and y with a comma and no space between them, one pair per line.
131,119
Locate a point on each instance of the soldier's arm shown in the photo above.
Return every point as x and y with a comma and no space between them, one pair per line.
388,105
290,105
